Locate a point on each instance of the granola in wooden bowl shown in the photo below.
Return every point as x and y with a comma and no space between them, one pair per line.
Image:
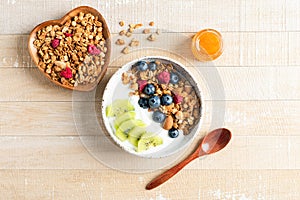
74,51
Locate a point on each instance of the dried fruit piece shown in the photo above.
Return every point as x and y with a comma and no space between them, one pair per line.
92,49
142,84
68,34
67,73
164,77
177,99
55,43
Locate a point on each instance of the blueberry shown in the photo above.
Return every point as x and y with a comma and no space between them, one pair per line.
143,102
141,65
174,78
158,116
173,133
149,89
166,100
154,102
152,66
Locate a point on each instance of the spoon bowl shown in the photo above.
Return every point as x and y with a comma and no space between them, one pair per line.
213,142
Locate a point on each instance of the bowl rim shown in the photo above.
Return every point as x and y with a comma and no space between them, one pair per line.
196,128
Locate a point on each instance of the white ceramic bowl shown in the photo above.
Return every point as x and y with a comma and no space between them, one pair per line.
116,90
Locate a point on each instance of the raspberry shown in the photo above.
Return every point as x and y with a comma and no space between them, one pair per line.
142,84
68,34
177,99
93,50
55,43
67,73
164,77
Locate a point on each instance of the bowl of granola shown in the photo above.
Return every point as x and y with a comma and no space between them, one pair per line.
152,107
74,51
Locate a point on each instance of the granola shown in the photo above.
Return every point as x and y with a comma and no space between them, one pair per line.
129,32
151,23
183,112
73,53
151,37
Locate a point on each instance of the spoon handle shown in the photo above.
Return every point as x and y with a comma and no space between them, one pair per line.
171,172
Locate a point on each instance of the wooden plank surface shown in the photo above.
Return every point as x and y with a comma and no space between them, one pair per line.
52,118
67,152
42,156
189,184
190,15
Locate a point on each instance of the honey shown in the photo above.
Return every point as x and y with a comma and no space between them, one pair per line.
207,45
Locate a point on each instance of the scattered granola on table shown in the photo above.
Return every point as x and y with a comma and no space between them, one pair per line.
74,53
134,42
128,33
151,37
165,92
120,42
121,23
151,23
125,50
146,31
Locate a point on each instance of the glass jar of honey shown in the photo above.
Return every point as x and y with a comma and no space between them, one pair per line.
207,45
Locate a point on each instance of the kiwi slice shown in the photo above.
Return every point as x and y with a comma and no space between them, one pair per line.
135,134
123,117
125,127
147,141
118,107
121,135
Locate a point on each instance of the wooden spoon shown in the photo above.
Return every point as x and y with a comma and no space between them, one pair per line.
211,143
85,9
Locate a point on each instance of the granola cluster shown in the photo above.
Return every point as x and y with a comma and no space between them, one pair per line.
184,112
73,53
134,42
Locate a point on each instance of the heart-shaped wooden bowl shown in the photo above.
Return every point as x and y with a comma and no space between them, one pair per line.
60,22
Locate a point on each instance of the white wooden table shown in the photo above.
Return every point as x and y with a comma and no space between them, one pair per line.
41,156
